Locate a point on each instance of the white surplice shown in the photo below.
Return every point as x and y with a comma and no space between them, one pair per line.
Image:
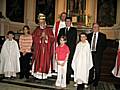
82,62
9,57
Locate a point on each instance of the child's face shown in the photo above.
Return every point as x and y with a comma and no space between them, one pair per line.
10,36
62,41
83,37
25,30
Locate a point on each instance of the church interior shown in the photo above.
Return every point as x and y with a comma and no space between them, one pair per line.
14,14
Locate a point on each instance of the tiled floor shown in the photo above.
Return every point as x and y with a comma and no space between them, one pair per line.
48,84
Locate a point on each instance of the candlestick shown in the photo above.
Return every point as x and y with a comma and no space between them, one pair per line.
86,20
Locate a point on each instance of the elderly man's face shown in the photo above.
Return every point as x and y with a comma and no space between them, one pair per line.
42,20
95,27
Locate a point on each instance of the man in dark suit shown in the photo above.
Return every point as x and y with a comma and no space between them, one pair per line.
98,44
71,34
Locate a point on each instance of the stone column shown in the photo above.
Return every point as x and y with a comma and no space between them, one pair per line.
3,7
116,27
91,10
60,6
29,13
118,12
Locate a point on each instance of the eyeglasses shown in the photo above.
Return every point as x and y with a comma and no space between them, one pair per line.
42,19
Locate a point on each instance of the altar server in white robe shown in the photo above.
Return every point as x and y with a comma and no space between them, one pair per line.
9,57
82,62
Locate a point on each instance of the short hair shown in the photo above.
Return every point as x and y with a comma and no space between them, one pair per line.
70,18
64,38
26,26
10,32
94,24
63,13
83,33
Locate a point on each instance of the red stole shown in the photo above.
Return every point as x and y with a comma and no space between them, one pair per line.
56,30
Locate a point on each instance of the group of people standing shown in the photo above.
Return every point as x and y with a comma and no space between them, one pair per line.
55,50
84,61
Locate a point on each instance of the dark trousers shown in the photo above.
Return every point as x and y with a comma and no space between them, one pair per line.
94,74
80,86
69,71
25,65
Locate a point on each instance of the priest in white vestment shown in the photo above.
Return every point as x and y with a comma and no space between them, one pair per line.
82,61
9,57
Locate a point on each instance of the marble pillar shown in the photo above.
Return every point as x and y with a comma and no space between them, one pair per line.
29,12
60,6
3,7
118,13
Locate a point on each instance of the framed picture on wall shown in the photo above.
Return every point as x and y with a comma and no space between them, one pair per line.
106,15
46,7
15,10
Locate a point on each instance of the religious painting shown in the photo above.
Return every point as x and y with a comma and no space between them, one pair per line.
15,10
46,7
106,16
77,7
77,10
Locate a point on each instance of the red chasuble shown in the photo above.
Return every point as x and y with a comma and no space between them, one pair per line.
42,50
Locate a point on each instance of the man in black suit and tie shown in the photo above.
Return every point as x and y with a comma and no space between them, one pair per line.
98,44
71,34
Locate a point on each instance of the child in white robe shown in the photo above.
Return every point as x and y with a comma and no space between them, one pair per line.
9,58
82,62
116,69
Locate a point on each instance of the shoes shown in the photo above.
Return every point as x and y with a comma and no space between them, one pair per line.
21,77
63,87
54,74
12,78
68,82
85,86
75,85
72,76
8,78
80,87
49,75
57,85
95,84
27,80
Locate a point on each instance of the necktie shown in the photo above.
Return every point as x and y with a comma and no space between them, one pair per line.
93,44
66,31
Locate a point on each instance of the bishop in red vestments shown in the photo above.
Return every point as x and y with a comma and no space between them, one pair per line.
43,40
